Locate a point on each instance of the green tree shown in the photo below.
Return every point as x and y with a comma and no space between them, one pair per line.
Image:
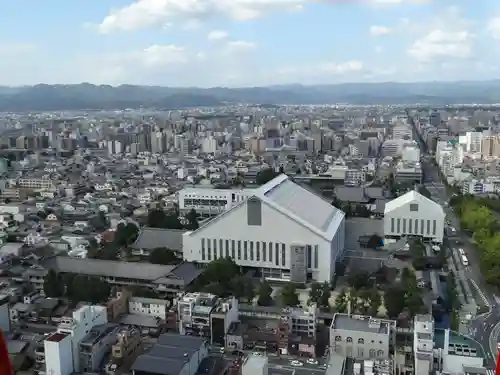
326,293
160,219
52,285
165,256
394,301
88,289
265,175
315,292
341,302
126,234
289,295
192,218
237,286
249,291
264,293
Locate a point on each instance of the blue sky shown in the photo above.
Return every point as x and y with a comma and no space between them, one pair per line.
247,42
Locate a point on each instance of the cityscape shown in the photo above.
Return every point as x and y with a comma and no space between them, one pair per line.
249,187
245,239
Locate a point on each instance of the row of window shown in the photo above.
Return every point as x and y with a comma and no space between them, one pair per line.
205,202
413,226
259,251
349,339
211,249
361,352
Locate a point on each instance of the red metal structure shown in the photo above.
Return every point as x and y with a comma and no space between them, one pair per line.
5,364
497,371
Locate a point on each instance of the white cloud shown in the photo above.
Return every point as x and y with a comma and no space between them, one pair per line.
442,44
149,13
241,46
493,27
446,36
216,35
380,30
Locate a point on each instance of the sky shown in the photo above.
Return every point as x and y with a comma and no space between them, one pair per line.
233,43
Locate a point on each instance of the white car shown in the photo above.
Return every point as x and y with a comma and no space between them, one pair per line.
257,354
222,350
312,361
296,363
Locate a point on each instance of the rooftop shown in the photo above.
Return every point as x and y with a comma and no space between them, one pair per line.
169,355
97,333
412,196
56,337
301,205
361,323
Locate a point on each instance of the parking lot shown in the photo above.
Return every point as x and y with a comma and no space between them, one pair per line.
356,227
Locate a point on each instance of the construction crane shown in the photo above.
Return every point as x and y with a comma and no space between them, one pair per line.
5,364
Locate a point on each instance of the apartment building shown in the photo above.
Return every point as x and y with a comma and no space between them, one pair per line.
62,348
95,345
211,201
362,337
206,315
153,307
127,342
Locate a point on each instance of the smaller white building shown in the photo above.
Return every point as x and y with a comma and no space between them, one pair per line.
153,307
412,214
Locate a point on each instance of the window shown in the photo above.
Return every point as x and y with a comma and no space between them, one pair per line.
264,251
316,256
361,352
233,250
283,254
309,256
380,353
428,227
239,249
433,227
215,249
422,227
392,225
245,250
270,252
251,250
338,338
221,249
372,353
277,253
409,225
227,248
349,339
209,249
361,341
202,249
404,225
399,225
257,251
413,207
416,226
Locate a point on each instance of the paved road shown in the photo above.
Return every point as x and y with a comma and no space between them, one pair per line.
483,328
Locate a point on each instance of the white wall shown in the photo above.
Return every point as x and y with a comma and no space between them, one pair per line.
58,356
426,212
276,228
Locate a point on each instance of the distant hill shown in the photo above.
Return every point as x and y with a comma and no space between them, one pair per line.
87,96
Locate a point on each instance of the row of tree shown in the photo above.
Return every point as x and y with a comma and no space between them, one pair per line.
365,297
480,221
76,287
159,218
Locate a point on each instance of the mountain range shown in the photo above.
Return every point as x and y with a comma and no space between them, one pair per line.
87,96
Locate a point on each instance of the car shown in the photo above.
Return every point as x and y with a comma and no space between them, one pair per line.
258,354
296,363
312,361
323,366
222,350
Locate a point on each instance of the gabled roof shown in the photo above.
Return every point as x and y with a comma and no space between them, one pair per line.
152,238
297,203
410,197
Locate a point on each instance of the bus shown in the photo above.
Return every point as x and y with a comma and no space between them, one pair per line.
464,259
